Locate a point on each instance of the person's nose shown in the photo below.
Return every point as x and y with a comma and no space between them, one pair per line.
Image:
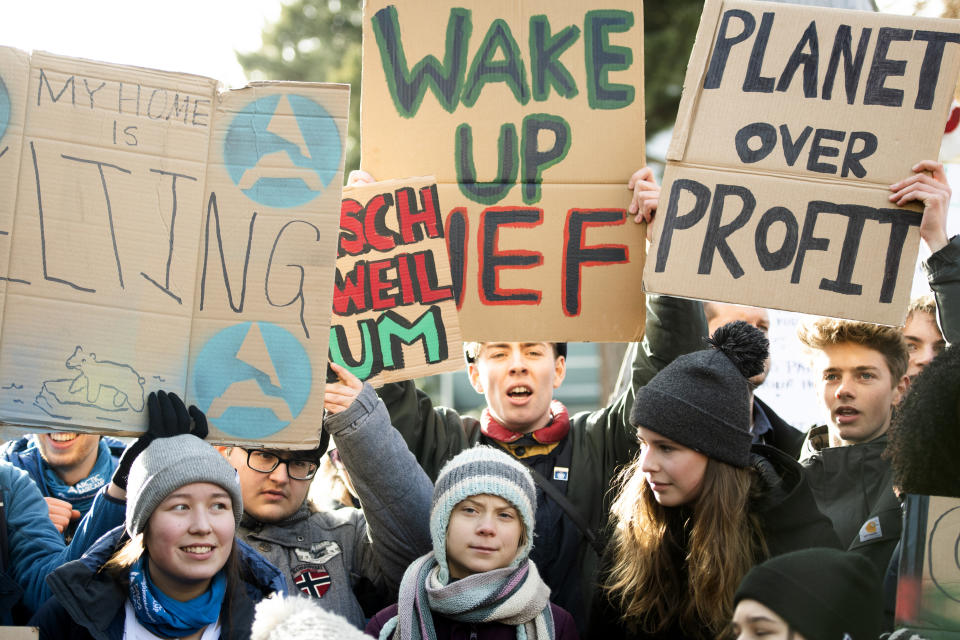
281,474
485,525
845,388
199,521
924,356
518,362
648,461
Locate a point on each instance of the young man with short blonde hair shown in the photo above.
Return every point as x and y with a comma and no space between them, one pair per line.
860,371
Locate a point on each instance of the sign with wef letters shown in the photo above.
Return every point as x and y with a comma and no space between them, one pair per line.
156,233
530,115
794,122
394,317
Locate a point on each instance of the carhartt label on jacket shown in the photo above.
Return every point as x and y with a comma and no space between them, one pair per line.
871,529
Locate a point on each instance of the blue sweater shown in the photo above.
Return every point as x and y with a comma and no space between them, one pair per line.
35,546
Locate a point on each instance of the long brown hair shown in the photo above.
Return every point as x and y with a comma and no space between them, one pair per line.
682,565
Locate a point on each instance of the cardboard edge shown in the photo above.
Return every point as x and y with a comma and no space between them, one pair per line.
386,184
693,80
41,55
27,58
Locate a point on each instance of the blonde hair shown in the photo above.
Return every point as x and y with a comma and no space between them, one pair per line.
923,304
720,540
888,341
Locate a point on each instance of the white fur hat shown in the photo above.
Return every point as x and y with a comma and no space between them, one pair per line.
280,618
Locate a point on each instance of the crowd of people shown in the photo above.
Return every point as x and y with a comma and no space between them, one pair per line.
686,508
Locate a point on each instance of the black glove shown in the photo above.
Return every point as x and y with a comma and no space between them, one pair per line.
167,416
772,490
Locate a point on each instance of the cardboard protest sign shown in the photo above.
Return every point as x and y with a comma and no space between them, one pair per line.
394,315
794,121
928,587
163,235
530,115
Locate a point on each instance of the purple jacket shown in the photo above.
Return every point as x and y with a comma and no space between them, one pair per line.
448,629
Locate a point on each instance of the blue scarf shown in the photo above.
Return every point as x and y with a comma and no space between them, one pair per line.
81,495
168,618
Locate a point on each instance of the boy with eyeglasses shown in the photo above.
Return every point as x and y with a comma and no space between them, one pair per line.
328,554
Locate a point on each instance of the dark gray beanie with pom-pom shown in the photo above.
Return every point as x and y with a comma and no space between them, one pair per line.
703,400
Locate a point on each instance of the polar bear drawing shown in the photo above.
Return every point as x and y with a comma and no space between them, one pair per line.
105,377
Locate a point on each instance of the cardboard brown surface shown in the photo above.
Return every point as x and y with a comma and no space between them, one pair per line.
394,314
928,590
530,115
169,236
777,107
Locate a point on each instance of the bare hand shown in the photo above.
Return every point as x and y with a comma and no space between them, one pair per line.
927,185
358,177
646,194
337,396
61,513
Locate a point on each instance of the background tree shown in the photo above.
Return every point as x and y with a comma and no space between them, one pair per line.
319,41
314,41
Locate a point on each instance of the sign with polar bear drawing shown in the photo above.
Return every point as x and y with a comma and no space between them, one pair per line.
157,233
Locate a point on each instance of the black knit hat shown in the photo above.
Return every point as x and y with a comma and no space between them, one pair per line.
821,593
702,400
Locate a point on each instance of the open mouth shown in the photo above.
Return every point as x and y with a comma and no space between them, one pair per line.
63,437
520,392
846,414
198,548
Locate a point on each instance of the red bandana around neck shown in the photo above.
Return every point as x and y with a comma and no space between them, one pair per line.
555,430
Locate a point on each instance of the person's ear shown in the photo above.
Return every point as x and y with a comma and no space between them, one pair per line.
559,371
474,372
900,390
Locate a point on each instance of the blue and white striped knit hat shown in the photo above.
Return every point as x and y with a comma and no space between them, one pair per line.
475,471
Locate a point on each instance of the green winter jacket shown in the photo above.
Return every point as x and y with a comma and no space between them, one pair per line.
853,486
602,441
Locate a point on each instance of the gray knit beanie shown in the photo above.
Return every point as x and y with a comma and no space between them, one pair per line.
472,472
702,400
825,594
170,463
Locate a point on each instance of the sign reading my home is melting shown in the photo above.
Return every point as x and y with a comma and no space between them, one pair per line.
158,234
794,121
530,115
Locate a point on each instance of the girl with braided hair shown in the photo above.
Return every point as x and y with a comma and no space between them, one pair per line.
478,581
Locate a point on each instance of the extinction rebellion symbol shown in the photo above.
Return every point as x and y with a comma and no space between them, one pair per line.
282,150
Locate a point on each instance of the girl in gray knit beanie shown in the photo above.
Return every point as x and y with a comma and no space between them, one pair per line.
479,572
177,560
699,506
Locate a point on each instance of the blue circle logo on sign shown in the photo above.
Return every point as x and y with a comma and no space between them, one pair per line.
252,379
4,108
282,150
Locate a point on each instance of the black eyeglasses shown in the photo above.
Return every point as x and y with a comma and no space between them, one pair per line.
266,462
